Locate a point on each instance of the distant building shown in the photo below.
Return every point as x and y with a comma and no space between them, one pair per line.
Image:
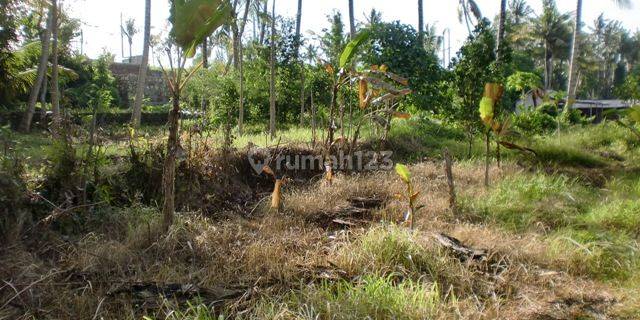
126,74
137,60
589,108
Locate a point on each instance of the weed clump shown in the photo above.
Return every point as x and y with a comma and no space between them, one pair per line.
595,253
372,297
524,201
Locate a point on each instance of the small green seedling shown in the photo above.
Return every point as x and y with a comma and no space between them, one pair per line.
410,196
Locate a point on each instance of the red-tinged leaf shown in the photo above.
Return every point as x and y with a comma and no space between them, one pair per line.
493,91
401,115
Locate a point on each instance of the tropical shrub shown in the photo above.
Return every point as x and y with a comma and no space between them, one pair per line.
534,121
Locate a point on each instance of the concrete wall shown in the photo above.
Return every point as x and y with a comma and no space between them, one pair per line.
156,89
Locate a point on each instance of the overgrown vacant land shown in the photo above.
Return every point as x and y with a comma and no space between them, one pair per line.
335,165
554,236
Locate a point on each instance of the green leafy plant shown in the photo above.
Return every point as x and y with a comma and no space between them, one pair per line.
410,196
523,82
376,85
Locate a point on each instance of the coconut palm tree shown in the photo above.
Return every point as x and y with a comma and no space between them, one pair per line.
241,66
25,125
500,39
142,74
272,79
55,90
352,21
571,85
302,75
129,31
420,22
469,12
552,29
519,11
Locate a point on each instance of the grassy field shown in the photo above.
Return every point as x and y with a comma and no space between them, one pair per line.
560,231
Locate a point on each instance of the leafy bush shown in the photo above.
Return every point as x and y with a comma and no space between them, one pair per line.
549,153
534,122
95,83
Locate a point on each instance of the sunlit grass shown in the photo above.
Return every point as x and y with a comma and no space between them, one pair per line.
526,201
372,297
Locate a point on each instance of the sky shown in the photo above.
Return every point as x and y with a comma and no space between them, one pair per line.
101,18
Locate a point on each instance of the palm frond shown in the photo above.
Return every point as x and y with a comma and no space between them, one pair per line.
474,9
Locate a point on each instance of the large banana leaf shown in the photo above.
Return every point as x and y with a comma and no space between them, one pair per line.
194,20
352,47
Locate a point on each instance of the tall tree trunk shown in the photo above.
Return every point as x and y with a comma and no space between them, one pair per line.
205,66
169,168
142,73
499,49
25,125
352,21
500,44
241,95
241,69
302,69
420,23
487,159
302,93
575,49
130,50
313,120
298,21
547,66
55,90
272,67
263,22
43,101
332,115
235,37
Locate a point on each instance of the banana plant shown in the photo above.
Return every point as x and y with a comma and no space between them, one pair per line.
341,77
410,196
192,21
501,129
378,92
376,85
492,94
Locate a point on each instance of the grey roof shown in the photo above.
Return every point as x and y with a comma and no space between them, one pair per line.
601,104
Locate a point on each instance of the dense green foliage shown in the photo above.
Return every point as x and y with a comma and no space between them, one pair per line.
471,70
396,46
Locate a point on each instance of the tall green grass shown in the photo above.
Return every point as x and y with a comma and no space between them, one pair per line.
526,201
372,297
597,253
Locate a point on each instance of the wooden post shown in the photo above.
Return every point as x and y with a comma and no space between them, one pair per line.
449,173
